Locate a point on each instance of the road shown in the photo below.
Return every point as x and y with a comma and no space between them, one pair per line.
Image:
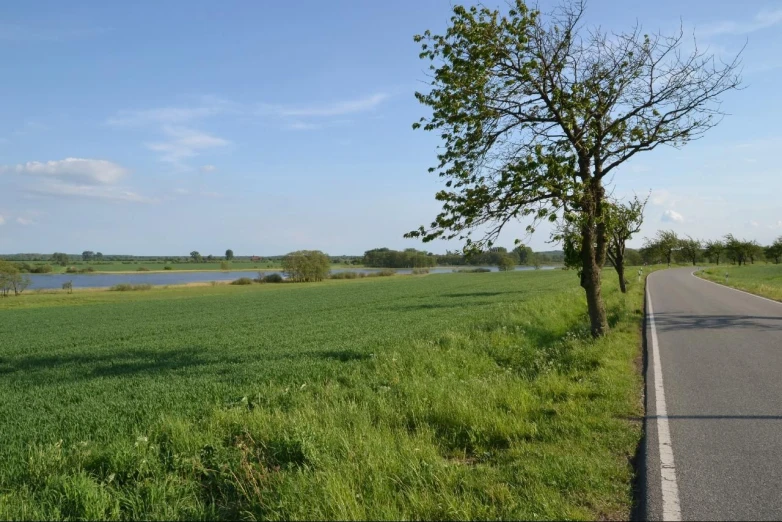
720,352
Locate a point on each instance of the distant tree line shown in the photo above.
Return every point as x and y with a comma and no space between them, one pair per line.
667,247
495,256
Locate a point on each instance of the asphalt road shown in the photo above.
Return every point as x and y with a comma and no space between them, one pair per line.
720,351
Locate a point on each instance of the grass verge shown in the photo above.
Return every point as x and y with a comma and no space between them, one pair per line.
458,396
764,280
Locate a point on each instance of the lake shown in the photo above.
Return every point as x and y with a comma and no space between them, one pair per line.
50,281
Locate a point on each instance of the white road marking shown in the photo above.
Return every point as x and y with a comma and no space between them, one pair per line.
670,489
734,289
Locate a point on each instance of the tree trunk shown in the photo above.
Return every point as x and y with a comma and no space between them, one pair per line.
620,269
593,251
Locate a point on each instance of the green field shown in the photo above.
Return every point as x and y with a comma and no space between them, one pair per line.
455,396
761,279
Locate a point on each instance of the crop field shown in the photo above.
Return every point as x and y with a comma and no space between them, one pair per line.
454,396
761,279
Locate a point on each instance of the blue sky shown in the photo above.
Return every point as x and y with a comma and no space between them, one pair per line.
164,127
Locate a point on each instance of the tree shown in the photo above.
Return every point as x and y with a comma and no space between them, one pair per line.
306,265
713,250
196,256
12,279
690,249
87,255
754,251
663,244
98,256
774,251
736,249
507,263
534,114
58,258
622,221
523,253
229,255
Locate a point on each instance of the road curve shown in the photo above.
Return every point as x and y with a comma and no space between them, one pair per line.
720,352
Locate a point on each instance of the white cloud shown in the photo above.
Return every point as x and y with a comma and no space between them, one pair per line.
762,20
334,109
300,125
24,221
164,115
184,143
671,216
208,168
2,220
753,224
90,192
92,171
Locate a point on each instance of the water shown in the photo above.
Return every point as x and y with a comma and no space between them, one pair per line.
50,281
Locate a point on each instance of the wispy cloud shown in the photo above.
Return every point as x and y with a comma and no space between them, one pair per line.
340,108
76,177
85,170
184,143
24,221
762,20
2,220
57,188
208,168
671,216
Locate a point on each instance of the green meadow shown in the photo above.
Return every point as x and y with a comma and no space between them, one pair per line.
454,396
761,279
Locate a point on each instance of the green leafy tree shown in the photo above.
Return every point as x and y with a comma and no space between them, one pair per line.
196,256
622,222
774,251
229,255
58,258
87,255
690,249
507,263
713,250
12,279
306,265
523,253
663,244
736,249
99,256
535,111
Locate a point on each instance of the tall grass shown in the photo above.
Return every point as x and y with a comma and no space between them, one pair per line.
453,397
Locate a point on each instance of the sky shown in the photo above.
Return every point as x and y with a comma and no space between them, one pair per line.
165,127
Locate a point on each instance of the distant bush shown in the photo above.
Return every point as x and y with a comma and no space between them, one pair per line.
306,265
127,287
386,272
420,271
271,278
41,269
507,263
225,265
347,275
242,281
74,270
479,270
142,269
168,268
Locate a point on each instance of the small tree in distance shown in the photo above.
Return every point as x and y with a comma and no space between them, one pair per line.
306,266
690,249
664,244
507,263
229,255
196,256
58,258
713,250
774,251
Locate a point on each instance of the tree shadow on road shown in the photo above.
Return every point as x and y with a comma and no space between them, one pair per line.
665,322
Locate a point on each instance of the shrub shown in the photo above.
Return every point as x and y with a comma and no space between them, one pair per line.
127,287
242,281
142,269
41,269
347,275
506,264
386,272
225,265
478,270
420,271
306,266
168,268
272,278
